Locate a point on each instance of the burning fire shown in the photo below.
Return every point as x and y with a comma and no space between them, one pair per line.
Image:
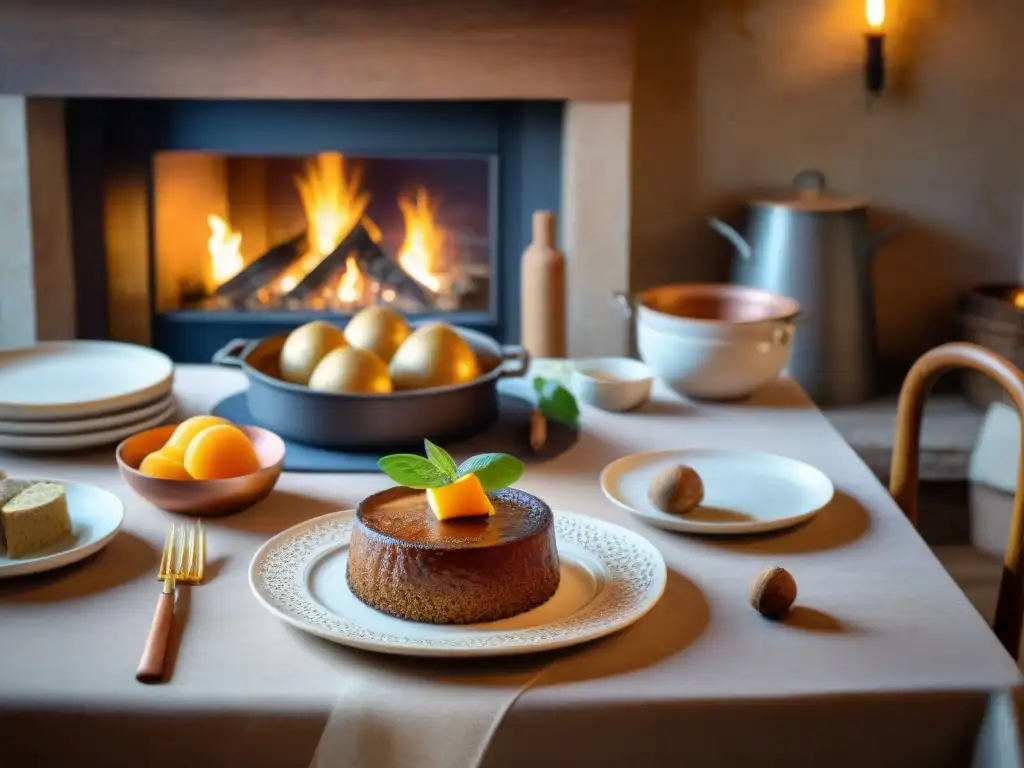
225,247
333,202
352,283
421,254
875,12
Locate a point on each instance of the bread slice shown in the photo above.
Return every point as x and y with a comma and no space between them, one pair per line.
35,518
10,488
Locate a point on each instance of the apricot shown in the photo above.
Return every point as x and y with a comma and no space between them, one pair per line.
163,467
463,498
220,452
185,432
173,453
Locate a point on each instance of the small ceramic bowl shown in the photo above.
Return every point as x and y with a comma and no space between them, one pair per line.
612,383
201,497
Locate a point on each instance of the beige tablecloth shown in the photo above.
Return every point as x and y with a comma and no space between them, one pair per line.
883,663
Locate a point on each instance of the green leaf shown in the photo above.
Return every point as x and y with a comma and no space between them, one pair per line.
441,459
556,402
494,470
412,471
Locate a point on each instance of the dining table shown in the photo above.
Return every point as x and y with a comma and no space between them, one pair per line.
881,661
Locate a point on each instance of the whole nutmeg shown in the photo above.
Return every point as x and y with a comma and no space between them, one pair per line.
773,591
676,489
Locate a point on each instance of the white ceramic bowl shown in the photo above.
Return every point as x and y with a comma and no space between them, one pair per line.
715,341
612,383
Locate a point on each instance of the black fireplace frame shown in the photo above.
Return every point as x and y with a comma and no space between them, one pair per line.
114,141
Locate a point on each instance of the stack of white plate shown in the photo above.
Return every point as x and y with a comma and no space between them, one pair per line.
70,395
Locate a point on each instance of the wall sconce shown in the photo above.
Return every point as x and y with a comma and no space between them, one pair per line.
874,65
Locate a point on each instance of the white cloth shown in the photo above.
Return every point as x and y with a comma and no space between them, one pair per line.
884,663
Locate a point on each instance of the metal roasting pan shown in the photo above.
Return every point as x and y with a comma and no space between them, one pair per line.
358,422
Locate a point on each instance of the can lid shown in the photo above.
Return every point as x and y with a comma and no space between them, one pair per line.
808,195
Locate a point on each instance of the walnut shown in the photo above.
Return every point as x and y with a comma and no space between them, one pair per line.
773,591
676,489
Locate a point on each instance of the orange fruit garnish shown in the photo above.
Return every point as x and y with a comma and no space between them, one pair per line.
463,498
220,452
158,465
189,428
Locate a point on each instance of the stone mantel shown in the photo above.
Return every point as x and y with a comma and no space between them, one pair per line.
318,49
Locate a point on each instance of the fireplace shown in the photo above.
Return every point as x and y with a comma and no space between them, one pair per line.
323,232
257,216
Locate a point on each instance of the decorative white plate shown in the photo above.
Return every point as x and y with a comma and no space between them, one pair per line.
744,491
611,577
60,380
96,517
78,426
85,439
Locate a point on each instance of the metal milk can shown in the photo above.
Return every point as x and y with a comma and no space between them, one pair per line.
815,247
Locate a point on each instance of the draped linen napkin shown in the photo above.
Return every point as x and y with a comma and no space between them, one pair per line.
421,714
392,713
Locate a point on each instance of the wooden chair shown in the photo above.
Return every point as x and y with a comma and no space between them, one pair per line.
903,475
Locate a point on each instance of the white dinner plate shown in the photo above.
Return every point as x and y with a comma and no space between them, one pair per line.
610,578
78,426
96,517
84,440
744,491
60,380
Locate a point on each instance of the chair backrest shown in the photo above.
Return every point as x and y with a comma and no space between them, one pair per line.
903,480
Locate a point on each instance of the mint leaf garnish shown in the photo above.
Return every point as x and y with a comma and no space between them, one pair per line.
494,470
412,471
441,459
556,402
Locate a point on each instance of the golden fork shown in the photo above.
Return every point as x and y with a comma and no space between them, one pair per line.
183,561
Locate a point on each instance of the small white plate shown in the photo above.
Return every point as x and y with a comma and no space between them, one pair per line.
60,380
96,517
611,578
79,426
744,491
86,439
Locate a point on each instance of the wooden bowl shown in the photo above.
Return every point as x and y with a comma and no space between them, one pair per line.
201,497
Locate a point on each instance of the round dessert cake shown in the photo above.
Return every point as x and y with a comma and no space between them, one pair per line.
405,562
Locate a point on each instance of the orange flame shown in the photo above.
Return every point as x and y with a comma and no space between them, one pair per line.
352,283
334,202
225,249
421,253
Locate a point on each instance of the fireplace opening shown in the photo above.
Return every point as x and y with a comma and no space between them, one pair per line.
325,232
197,222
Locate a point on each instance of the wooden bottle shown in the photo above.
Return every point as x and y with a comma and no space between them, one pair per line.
542,303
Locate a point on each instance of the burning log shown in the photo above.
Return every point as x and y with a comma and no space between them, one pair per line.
263,270
373,263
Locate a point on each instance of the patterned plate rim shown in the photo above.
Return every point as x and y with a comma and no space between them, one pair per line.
636,581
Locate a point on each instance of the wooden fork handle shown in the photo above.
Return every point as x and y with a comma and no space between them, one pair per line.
151,666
